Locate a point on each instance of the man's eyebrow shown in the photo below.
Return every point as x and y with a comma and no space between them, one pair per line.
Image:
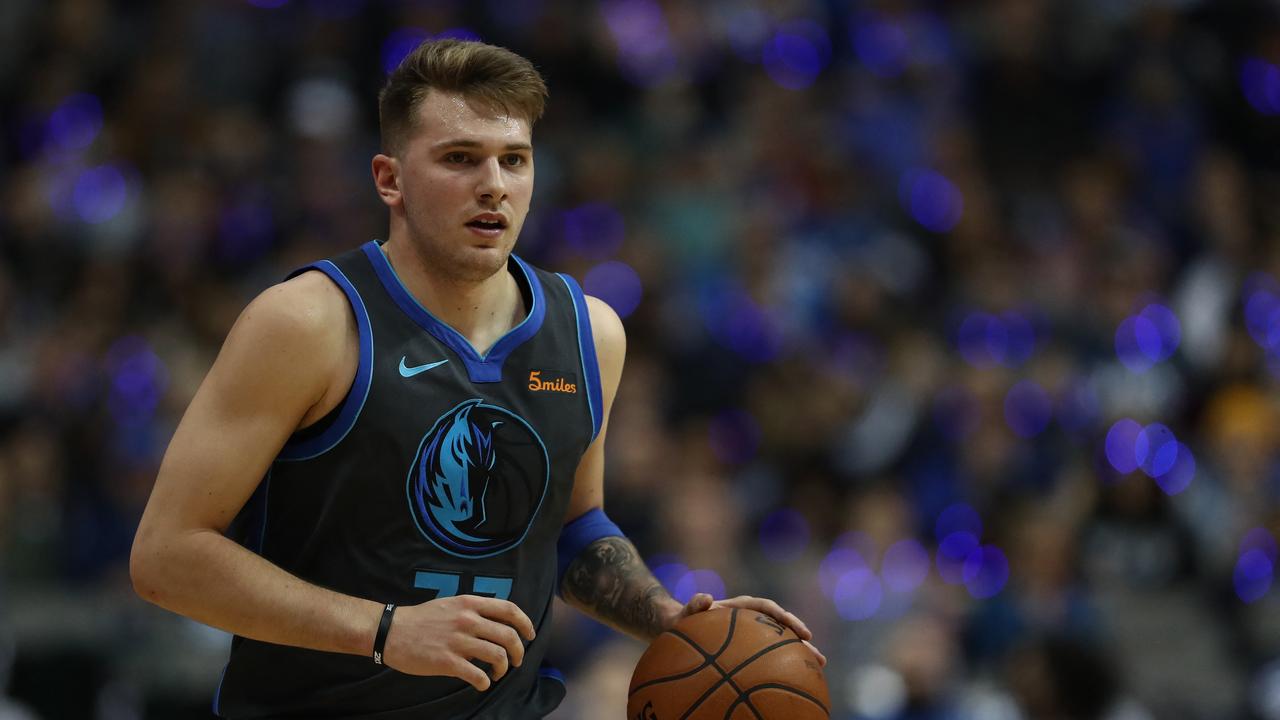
475,144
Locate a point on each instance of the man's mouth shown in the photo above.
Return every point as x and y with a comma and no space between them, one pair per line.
487,224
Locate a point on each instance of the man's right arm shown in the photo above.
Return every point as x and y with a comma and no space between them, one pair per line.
291,350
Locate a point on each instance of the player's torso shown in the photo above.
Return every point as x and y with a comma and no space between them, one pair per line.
442,472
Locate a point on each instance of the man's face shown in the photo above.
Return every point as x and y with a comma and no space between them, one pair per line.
466,178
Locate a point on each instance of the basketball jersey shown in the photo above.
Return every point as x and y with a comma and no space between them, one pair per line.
442,472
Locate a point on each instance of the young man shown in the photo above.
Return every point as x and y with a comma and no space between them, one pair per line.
400,435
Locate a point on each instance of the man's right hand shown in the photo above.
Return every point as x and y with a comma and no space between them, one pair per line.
442,637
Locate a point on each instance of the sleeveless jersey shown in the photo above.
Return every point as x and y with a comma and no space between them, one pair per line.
442,472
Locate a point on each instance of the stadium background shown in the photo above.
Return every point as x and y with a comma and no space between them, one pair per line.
954,326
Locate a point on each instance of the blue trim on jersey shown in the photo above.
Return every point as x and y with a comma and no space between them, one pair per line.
485,368
548,670
359,392
455,547
577,535
217,694
587,351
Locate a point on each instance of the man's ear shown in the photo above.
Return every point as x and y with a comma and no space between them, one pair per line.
386,179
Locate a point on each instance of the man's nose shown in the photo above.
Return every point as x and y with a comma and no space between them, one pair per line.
491,185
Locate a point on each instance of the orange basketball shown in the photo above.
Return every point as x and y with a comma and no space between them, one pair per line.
728,664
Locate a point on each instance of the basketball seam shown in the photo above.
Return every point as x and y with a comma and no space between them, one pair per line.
728,677
711,661
706,659
741,698
745,697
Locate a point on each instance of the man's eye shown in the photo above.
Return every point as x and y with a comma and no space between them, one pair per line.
514,160
456,157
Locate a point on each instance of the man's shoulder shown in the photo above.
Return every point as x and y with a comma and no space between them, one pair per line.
308,308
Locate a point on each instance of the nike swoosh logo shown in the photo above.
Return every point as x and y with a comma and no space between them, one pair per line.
406,371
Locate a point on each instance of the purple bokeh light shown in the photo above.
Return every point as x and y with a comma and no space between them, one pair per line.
858,594
848,552
1260,81
1155,449
75,123
734,436
986,570
1262,310
99,194
960,517
1180,473
594,231
933,200
268,4
1121,442
138,380
639,28
797,54
405,40
784,535
615,283
1160,344
984,339
1128,345
246,231
1259,539
737,322
880,44
953,550
905,566
1253,574
668,569
1027,409
698,581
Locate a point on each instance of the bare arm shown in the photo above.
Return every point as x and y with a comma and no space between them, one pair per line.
609,580
289,359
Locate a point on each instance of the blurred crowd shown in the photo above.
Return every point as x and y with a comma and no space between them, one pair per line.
953,326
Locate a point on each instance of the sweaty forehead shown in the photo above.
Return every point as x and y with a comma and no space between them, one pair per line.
452,115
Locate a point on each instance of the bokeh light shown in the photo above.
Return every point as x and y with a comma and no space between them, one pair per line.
1161,333
880,44
639,29
1260,81
1253,575
905,566
617,284
1180,473
268,4
1262,310
138,380
985,339
933,200
246,231
960,517
735,436
986,570
1121,442
953,551
784,535
1155,449
668,569
738,323
594,231
1128,345
1259,539
99,194
797,54
75,123
698,581
858,594
404,40
1027,409
848,552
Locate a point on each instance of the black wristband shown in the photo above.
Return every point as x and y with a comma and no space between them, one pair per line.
384,627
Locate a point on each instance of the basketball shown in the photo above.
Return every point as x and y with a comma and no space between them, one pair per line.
728,664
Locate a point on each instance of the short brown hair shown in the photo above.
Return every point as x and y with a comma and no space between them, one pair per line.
492,75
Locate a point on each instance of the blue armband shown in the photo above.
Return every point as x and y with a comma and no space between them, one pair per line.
577,535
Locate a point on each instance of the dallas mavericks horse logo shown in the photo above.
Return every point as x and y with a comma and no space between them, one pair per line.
478,480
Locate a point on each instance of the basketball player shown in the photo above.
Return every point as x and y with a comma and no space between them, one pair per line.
396,438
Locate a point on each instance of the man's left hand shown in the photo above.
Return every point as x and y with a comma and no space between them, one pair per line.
703,602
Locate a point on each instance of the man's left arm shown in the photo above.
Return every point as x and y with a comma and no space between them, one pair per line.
606,578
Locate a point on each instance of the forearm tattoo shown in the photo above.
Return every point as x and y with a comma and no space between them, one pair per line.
609,580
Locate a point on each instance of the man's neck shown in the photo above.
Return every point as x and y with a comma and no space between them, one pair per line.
481,311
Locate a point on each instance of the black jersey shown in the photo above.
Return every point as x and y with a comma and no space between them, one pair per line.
443,471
